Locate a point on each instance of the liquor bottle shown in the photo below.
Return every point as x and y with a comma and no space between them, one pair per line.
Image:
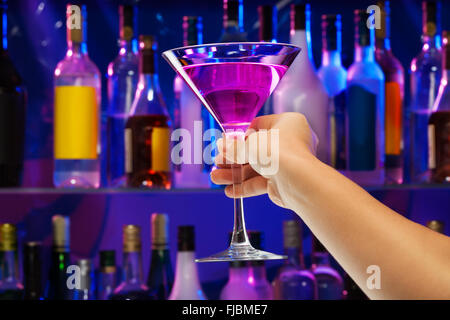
426,71
233,21
293,281
436,225
394,78
132,286
10,286
301,88
193,171
334,78
186,285
107,276
57,288
439,123
12,106
147,130
160,274
330,285
123,75
365,109
257,277
87,288
32,271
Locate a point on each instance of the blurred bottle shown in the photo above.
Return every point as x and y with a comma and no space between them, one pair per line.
107,275
436,225
426,71
301,88
293,281
439,123
365,109
87,283
233,22
77,98
32,271
186,285
334,78
160,274
12,112
258,277
123,75
10,286
147,130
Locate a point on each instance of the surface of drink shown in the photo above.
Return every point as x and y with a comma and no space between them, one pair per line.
365,109
160,274
12,112
132,286
32,271
293,281
330,285
334,79
301,88
235,91
258,277
187,284
147,131
10,286
56,288
107,275
233,21
123,75
394,94
77,98
87,283
426,71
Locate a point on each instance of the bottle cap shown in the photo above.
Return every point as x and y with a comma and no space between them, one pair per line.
107,259
331,32
363,35
131,238
384,30
430,11
61,232
298,16
267,22
85,266
76,23
446,51
186,238
436,225
147,52
292,233
231,12
8,237
126,22
192,30
160,230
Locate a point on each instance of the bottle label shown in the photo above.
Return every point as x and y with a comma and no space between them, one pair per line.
76,122
393,118
160,150
431,147
362,119
128,151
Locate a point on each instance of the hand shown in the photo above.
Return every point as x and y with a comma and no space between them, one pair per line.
288,140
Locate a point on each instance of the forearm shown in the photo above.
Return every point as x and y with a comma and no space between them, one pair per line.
359,231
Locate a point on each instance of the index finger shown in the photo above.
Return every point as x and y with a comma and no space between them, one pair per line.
264,122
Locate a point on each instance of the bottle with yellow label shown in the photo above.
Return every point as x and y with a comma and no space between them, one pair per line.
147,131
76,110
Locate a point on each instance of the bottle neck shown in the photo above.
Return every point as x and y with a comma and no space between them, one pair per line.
76,49
364,54
3,28
9,267
299,38
383,43
127,47
321,259
257,272
132,267
295,257
149,82
186,269
431,42
331,58
238,274
233,18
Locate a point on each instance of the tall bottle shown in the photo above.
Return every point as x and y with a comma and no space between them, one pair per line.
301,88
233,21
329,282
160,274
107,277
77,98
186,285
147,130
436,225
258,278
132,286
56,288
12,112
439,123
10,286
365,109
32,271
87,287
334,78
193,172
123,75
426,71
394,78
293,281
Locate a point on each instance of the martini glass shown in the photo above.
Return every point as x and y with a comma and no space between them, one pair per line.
233,81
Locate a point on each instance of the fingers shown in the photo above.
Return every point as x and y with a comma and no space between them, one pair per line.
264,122
223,175
252,187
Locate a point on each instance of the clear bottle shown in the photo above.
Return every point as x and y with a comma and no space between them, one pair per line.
147,130
365,109
233,21
32,271
334,78
439,124
394,78
426,71
238,286
132,286
330,285
186,285
293,281
77,98
123,75
107,275
301,88
258,277
10,286
87,283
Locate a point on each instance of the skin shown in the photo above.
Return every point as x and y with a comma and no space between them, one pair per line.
357,229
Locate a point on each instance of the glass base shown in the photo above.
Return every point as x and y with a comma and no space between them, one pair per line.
241,253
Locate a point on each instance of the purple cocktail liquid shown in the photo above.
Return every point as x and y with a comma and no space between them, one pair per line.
235,91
